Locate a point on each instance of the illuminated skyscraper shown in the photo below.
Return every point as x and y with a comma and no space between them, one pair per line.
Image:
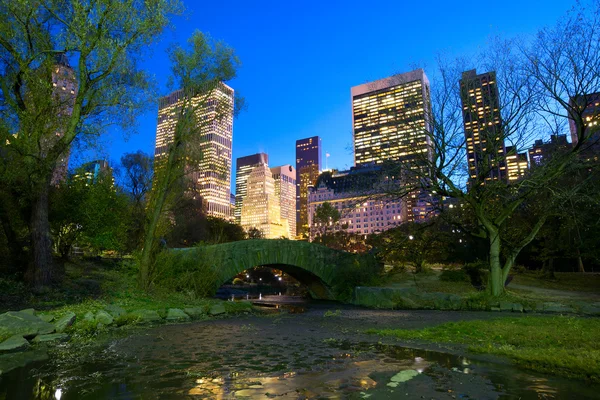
285,190
390,119
590,105
483,129
516,164
540,153
308,166
211,179
260,208
243,167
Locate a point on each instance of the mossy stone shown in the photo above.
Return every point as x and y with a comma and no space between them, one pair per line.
24,324
217,309
65,321
175,314
14,343
53,337
104,318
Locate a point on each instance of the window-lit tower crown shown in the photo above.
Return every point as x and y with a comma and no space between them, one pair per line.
260,208
211,179
483,126
390,119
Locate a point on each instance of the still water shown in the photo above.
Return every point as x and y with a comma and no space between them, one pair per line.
282,356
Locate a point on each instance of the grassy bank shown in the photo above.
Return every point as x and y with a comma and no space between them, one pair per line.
563,346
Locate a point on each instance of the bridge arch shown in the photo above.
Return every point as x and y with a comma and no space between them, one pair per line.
316,266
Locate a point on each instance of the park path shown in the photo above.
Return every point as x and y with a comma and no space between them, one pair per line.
558,294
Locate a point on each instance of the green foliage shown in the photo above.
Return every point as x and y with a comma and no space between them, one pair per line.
329,313
364,271
176,272
255,233
560,345
477,273
238,281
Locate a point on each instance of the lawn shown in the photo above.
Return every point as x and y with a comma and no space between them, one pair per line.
569,281
565,346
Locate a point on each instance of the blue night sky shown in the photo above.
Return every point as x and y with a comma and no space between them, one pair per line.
299,60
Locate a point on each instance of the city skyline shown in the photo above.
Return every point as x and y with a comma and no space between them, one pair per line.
328,115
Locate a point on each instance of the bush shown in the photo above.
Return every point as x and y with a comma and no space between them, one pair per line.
363,271
180,271
453,275
477,273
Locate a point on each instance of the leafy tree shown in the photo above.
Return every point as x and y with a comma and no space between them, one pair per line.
199,72
89,212
46,104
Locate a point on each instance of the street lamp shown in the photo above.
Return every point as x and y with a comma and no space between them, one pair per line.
411,237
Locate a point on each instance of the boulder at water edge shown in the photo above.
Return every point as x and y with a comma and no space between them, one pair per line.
19,323
14,343
217,309
65,321
175,314
104,318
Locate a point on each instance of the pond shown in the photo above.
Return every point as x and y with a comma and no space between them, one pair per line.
281,356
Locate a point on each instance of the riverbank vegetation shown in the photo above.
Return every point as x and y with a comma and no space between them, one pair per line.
566,346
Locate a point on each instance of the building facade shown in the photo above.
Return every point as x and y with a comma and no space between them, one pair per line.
211,177
356,194
285,190
541,152
90,172
516,164
260,208
483,126
390,119
308,167
243,167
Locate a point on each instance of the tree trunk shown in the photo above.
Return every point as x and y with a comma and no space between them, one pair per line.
41,266
548,269
580,261
496,279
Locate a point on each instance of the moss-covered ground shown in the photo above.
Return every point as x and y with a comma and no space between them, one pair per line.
566,346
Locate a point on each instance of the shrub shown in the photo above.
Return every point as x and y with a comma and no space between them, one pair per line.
363,271
477,273
453,275
180,271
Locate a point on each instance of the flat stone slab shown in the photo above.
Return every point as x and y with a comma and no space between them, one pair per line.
11,361
175,314
14,343
19,323
53,337
46,317
195,312
556,307
30,311
217,309
104,318
65,321
146,315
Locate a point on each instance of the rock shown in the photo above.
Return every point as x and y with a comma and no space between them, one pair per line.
504,306
556,307
11,361
30,311
19,323
89,317
518,307
65,321
194,312
175,314
46,317
217,309
13,343
145,316
494,308
115,311
54,337
591,309
104,318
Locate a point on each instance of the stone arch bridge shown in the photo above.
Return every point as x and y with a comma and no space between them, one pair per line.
318,267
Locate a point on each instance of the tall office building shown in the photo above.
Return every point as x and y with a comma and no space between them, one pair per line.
285,190
211,178
516,164
260,208
65,90
308,166
483,126
390,119
243,167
